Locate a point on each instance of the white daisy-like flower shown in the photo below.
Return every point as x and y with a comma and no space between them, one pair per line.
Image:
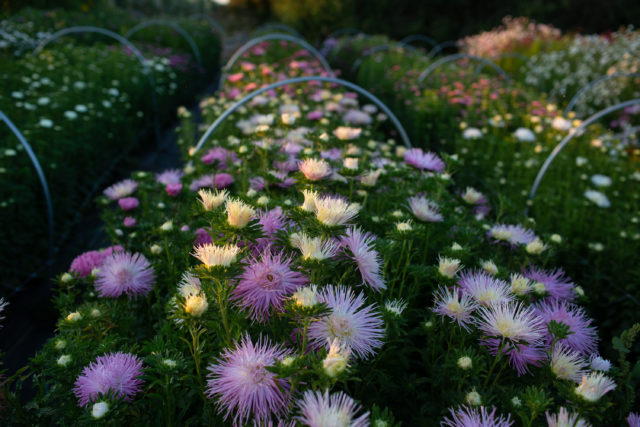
314,248
212,200
216,256
334,211
594,385
239,213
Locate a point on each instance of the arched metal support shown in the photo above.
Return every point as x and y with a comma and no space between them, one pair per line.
215,24
248,45
343,32
125,42
440,47
572,103
458,56
569,137
419,38
277,26
514,55
41,178
356,88
380,48
170,24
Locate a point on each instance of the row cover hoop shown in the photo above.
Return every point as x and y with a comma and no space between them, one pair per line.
458,56
574,100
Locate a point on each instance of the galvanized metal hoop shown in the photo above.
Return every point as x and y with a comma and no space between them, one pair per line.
569,137
279,27
125,42
354,87
380,48
515,55
343,32
41,178
165,23
441,46
458,56
248,45
419,38
572,103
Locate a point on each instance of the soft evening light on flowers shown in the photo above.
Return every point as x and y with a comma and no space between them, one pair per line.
118,373
567,364
239,213
337,359
125,273
314,169
196,305
449,302
594,385
597,198
425,209
216,256
333,211
211,200
466,416
319,409
449,267
121,189
314,248
511,321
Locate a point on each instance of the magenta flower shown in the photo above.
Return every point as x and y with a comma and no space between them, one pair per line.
125,273
129,221
202,237
359,247
633,420
128,203
471,417
222,180
121,189
170,176
173,189
265,283
583,337
271,222
357,327
314,115
558,285
83,264
114,372
243,385
319,409
202,182
424,161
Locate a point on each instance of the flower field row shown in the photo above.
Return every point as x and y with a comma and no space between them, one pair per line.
81,103
303,268
501,134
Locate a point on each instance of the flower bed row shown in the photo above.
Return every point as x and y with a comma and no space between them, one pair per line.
80,105
304,269
502,134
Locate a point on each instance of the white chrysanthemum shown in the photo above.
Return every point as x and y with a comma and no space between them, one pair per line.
536,246
370,178
337,359
395,307
512,321
567,364
315,169
306,296
314,248
239,213
489,266
594,385
216,256
211,200
473,398
310,198
520,285
63,360
565,419
99,409
465,363
598,198
335,211
471,195
449,267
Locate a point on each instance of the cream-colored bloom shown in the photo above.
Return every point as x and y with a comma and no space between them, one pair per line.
66,278
310,198
167,226
216,256
344,133
370,178
211,200
465,363
314,248
351,163
306,296
594,385
239,213
404,226
520,285
74,317
63,360
315,169
536,247
99,409
490,267
473,398
334,211
262,201
196,305
337,359
471,196
155,249
567,364
449,267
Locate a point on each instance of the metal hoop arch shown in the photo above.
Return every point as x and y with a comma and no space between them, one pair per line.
569,137
164,23
515,55
284,28
215,24
380,48
457,56
572,103
343,32
354,87
41,178
419,38
438,48
286,37
122,40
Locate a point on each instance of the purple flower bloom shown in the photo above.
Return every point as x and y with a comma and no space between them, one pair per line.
424,161
331,154
222,180
115,372
125,273
512,234
361,250
244,386
314,115
170,176
633,420
471,417
202,237
271,221
257,183
222,155
319,409
173,189
128,203
265,283
357,117
485,289
558,286
202,182
583,337
121,189
357,327
83,264
456,305
129,221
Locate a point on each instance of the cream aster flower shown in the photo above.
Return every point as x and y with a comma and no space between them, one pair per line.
449,267
425,209
239,213
490,267
465,363
471,196
196,305
473,398
351,163
310,198
536,247
99,409
567,364
334,211
211,200
594,385
597,198
345,133
337,359
370,178
314,248
472,133
306,296
216,256
520,285
314,169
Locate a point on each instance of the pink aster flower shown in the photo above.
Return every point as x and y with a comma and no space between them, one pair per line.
319,409
424,161
425,209
314,169
360,247
456,305
222,180
358,328
173,189
121,189
129,221
114,372
170,176
83,264
314,115
557,285
583,337
128,203
125,273
633,420
511,234
202,237
265,284
485,289
202,182
475,417
244,387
